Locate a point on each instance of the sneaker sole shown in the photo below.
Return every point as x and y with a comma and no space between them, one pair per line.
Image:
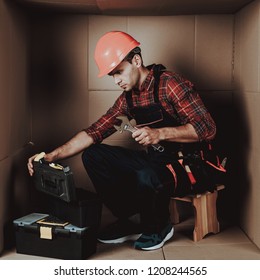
132,237
158,246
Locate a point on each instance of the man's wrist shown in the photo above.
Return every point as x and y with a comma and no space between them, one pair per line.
162,135
51,157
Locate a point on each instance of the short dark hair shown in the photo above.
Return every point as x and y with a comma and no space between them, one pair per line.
132,53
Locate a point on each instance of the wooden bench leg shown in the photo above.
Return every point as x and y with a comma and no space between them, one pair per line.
205,215
175,217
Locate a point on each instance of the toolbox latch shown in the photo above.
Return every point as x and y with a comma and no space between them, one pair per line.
46,232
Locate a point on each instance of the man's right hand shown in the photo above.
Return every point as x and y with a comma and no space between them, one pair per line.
50,157
36,157
30,164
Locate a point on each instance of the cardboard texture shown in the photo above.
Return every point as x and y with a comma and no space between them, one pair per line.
49,87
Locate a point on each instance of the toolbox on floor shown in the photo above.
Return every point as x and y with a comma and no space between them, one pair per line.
62,199
44,235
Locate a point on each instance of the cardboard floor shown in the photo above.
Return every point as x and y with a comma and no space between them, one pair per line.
230,244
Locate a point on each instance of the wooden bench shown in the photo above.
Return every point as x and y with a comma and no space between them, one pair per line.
205,212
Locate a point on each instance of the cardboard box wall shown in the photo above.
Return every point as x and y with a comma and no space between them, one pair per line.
49,90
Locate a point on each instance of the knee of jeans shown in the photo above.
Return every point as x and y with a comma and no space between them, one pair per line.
90,154
148,179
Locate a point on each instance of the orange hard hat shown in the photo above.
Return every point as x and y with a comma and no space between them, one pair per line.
111,49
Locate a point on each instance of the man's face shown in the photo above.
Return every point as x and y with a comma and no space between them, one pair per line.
126,75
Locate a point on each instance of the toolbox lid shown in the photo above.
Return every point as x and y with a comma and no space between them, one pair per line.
29,219
73,228
38,218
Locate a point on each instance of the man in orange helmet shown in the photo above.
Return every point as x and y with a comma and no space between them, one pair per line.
167,110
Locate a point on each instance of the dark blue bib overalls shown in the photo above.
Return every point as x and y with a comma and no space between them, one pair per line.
138,181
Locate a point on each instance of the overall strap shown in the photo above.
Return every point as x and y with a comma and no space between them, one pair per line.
157,71
129,100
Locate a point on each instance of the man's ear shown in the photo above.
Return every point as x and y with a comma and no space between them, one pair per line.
137,60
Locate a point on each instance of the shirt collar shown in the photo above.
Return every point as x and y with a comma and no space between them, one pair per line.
148,82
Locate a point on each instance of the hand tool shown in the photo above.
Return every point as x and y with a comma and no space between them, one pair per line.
127,126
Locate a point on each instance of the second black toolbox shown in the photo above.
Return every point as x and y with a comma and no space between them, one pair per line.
43,235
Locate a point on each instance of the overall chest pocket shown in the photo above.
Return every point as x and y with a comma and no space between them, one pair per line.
148,115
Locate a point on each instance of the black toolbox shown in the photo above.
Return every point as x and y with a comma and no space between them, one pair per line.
44,235
62,199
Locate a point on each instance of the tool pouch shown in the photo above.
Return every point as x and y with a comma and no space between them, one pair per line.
204,170
198,172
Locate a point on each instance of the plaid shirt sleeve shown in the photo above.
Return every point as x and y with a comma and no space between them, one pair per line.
104,126
190,108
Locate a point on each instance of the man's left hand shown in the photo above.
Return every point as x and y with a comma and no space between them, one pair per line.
146,136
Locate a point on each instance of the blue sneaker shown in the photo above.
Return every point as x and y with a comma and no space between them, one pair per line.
155,240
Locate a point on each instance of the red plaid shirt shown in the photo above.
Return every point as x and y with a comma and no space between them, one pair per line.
177,96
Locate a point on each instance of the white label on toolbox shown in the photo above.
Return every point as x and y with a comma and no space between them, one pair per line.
45,232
